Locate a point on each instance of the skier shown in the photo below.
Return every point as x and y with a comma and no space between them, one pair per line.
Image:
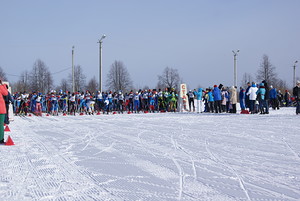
191,96
64,100
54,105
166,99
161,104
99,101
145,97
120,102
110,102
72,104
136,102
38,106
173,101
130,101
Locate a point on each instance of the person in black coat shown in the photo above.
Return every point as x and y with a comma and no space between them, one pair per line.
267,96
8,99
296,94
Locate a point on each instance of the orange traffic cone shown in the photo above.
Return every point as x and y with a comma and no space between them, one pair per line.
9,141
129,112
98,113
64,114
114,112
47,114
7,128
81,113
29,115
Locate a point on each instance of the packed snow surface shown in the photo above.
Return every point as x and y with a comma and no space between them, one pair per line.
161,156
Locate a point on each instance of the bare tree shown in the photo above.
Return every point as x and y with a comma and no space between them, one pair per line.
266,71
64,85
246,78
23,83
92,85
40,77
2,74
118,77
281,85
79,78
169,79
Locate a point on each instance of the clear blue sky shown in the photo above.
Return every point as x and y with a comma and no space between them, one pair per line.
196,37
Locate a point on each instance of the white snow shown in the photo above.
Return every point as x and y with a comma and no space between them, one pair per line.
165,156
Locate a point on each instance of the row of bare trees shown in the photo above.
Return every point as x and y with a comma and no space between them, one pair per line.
118,78
40,79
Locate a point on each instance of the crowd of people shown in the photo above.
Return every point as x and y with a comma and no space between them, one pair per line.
256,98
95,103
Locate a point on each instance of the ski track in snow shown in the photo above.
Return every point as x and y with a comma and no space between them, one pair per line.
218,160
182,156
291,149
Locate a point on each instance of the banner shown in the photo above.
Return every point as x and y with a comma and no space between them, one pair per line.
184,98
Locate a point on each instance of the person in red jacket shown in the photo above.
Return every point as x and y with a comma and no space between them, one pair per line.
3,92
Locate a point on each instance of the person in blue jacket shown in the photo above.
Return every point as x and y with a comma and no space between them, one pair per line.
217,99
273,98
199,100
242,98
210,98
261,93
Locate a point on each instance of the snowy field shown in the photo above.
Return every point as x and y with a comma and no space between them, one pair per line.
162,156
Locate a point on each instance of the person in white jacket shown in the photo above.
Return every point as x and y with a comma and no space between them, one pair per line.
252,97
233,98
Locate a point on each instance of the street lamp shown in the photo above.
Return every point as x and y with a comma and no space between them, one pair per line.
294,77
73,73
100,61
235,71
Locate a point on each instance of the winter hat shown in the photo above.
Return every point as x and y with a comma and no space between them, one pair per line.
298,81
215,85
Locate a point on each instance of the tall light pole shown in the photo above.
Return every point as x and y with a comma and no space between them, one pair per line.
73,71
100,61
235,70
294,77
